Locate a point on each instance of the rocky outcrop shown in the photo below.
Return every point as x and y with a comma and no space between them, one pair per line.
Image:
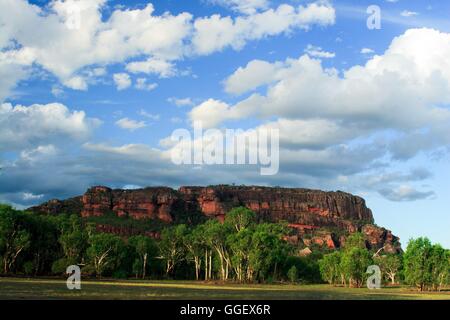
378,238
316,217
148,203
296,206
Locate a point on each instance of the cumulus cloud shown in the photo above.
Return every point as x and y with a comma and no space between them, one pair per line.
317,52
122,81
255,74
335,127
344,125
23,127
130,124
243,6
76,83
412,76
65,51
66,37
141,84
367,51
210,113
160,67
15,65
312,133
406,193
216,33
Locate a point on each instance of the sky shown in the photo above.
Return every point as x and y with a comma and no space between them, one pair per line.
91,92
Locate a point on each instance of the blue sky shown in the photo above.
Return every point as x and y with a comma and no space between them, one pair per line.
359,110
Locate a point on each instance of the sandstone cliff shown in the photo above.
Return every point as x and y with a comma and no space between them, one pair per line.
316,217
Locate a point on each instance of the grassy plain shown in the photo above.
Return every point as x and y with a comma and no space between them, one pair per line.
20,288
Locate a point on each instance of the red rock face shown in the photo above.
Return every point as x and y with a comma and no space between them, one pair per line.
149,203
296,206
306,211
377,237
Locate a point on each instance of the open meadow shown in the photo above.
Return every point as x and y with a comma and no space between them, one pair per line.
20,288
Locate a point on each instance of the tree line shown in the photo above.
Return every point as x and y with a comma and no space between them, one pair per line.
239,249
423,265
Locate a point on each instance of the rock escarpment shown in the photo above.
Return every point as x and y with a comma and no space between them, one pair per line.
316,217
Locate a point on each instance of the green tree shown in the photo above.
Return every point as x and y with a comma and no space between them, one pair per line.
438,266
216,235
240,218
105,252
144,248
171,246
390,265
195,245
44,247
240,245
74,239
355,240
330,267
14,238
416,263
354,265
268,250
293,274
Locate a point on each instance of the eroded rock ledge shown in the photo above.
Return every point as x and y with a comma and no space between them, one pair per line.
316,217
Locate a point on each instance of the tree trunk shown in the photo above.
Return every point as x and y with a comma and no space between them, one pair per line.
210,265
5,265
144,267
206,265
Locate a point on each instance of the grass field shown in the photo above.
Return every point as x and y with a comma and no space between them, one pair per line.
13,288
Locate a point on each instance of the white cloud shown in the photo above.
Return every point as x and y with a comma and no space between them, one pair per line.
334,125
158,41
64,51
317,52
244,6
216,33
32,155
57,91
255,74
154,117
141,84
23,127
407,13
130,124
211,113
410,78
367,51
76,83
313,133
406,193
122,81
14,66
181,102
153,66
